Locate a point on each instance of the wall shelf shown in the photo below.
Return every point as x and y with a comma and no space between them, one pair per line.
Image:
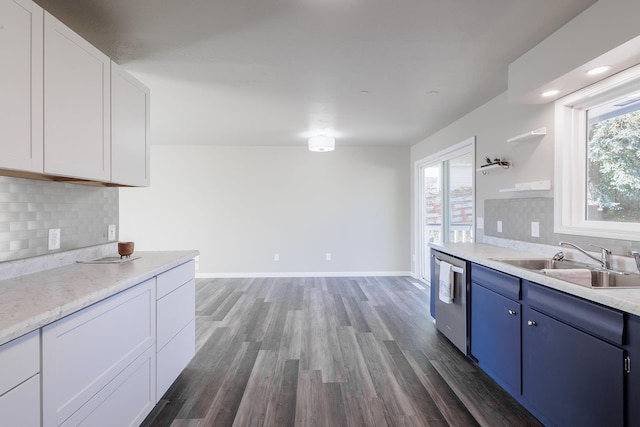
528,136
528,186
502,165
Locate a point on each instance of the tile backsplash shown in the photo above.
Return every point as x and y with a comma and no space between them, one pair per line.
517,214
29,208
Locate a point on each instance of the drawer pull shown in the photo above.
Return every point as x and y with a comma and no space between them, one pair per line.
512,312
532,323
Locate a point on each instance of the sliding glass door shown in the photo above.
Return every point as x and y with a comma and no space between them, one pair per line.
445,205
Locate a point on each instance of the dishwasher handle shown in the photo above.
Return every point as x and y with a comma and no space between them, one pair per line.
455,269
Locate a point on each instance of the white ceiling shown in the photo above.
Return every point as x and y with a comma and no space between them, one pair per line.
268,72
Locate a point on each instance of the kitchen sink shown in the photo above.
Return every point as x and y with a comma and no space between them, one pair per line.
600,279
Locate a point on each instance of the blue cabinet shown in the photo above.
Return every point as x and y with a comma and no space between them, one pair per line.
495,326
571,378
561,356
573,360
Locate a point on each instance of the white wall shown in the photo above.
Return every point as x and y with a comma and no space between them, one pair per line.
241,205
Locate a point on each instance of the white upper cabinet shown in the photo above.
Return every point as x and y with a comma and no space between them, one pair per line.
21,86
76,105
129,129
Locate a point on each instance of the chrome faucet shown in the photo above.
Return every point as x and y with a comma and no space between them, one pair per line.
605,254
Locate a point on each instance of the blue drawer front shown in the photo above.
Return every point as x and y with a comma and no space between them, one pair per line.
592,318
504,284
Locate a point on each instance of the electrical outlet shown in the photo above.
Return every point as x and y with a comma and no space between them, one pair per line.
499,226
276,257
535,229
111,232
480,223
327,256
54,238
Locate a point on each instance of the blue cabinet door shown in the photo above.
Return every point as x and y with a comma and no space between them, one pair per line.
496,336
571,378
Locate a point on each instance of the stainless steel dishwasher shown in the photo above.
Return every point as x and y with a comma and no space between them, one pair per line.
451,319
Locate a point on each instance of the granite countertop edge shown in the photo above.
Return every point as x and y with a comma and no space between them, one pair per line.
626,300
32,301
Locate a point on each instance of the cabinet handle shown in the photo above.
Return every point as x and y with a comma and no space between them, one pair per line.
512,312
531,323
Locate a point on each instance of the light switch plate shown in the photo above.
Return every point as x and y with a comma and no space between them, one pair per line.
535,229
276,257
499,226
327,256
480,223
111,232
54,238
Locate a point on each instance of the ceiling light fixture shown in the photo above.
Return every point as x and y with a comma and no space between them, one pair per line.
549,93
598,70
322,143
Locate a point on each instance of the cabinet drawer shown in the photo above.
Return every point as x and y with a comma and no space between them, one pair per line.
83,352
174,312
589,317
21,406
19,360
499,282
174,278
174,357
125,401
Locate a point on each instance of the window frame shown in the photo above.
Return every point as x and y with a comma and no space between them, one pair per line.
421,259
570,159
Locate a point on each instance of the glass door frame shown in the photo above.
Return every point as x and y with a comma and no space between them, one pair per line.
422,260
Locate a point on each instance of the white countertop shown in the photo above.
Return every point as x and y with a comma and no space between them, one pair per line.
34,300
627,300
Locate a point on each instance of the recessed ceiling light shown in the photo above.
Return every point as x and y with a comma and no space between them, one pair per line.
432,92
549,93
598,70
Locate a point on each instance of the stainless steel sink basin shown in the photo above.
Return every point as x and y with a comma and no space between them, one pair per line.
608,279
600,279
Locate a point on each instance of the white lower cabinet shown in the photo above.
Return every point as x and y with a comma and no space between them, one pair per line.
87,358
105,365
20,381
175,312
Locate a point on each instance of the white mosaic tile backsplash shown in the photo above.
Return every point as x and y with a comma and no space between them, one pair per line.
29,208
517,214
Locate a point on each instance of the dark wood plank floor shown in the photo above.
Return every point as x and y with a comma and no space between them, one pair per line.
327,352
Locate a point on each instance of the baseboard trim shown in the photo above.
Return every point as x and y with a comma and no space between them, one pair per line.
304,274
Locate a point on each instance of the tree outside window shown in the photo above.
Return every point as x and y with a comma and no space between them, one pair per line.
613,163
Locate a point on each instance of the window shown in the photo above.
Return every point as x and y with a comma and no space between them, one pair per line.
598,159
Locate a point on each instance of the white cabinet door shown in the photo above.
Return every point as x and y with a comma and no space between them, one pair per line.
77,96
82,353
21,86
129,129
